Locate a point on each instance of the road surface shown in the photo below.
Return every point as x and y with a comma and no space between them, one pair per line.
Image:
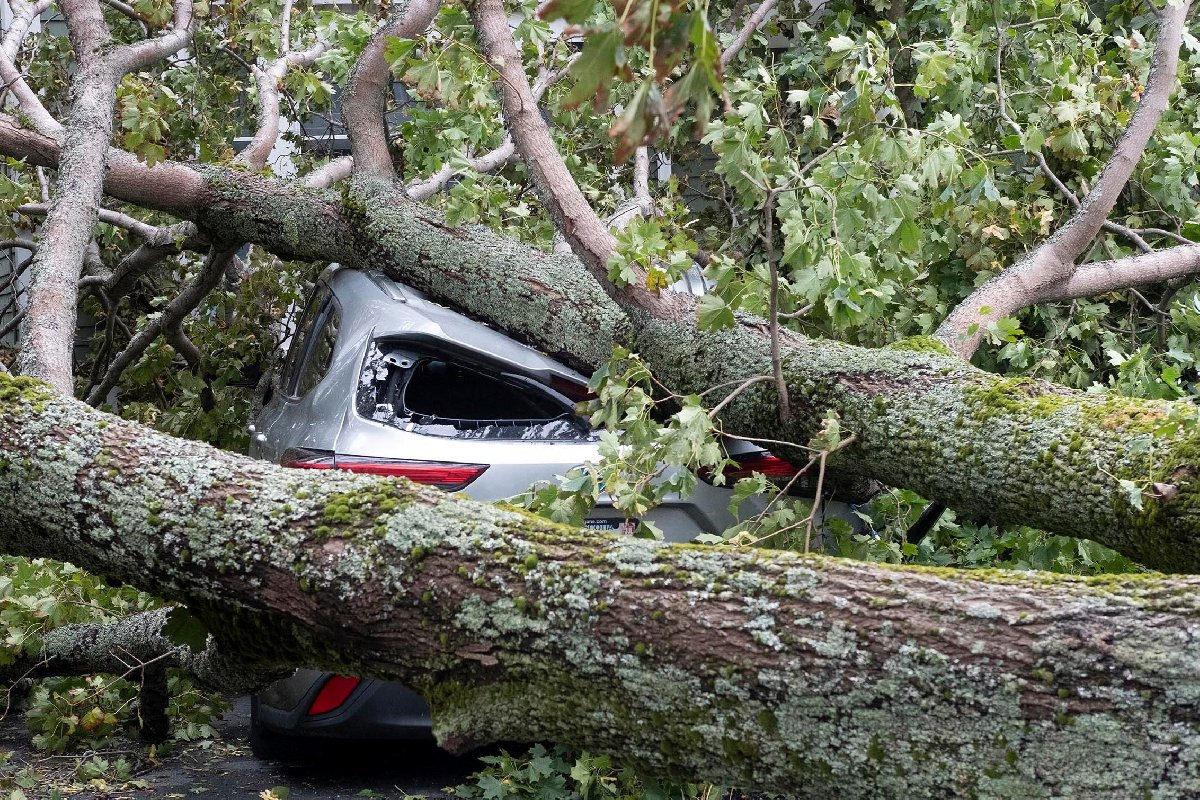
227,769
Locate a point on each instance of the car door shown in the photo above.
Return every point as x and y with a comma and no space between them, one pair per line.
298,415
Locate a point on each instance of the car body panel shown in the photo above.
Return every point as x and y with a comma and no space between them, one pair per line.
374,710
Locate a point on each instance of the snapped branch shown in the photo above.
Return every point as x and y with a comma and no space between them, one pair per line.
366,94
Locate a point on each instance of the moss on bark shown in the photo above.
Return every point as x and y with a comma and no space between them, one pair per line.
1008,450
804,675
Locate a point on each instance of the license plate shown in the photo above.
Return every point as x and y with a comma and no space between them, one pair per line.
609,524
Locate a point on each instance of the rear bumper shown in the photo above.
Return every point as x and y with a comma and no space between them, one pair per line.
374,710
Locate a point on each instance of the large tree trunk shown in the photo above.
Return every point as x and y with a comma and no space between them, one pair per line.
1008,450
806,675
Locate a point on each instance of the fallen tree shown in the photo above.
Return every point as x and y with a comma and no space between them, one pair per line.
807,675
791,673
1010,449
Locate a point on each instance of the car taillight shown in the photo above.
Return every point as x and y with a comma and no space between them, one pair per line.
770,466
446,475
307,459
333,694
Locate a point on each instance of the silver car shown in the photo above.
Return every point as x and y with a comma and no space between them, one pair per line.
380,379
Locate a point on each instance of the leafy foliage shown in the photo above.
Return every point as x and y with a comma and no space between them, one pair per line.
542,774
237,329
62,713
643,41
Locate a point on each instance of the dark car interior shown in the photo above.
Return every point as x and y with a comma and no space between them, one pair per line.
440,394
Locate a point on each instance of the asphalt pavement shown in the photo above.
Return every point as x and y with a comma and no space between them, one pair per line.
227,769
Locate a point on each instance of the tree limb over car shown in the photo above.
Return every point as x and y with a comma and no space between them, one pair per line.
778,671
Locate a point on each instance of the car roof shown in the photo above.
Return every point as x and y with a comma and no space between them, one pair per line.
374,303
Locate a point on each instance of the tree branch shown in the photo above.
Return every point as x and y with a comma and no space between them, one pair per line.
329,173
177,337
1031,280
495,159
180,306
48,329
126,646
132,57
19,243
169,186
115,218
130,12
573,215
926,421
641,180
162,244
24,14
759,18
519,629
268,79
1101,277
366,94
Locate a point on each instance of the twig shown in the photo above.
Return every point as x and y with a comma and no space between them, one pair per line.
781,388
756,21
816,504
743,386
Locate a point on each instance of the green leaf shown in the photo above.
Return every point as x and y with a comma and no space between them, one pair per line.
573,11
493,788
714,313
910,236
397,50
595,68
840,44
1133,492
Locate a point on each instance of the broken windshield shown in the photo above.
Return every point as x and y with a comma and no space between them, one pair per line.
442,396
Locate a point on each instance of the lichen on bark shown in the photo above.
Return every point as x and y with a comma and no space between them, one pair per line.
1007,450
800,674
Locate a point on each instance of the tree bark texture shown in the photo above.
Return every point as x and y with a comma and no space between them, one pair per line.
1013,450
806,675
1008,450
48,328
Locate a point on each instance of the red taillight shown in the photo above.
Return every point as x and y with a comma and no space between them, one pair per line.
333,694
770,466
442,474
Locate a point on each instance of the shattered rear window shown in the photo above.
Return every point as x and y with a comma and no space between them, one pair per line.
440,396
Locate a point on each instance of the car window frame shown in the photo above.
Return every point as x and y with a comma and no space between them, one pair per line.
298,339
417,350
320,309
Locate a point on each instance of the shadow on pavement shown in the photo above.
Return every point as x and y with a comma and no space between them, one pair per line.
227,769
